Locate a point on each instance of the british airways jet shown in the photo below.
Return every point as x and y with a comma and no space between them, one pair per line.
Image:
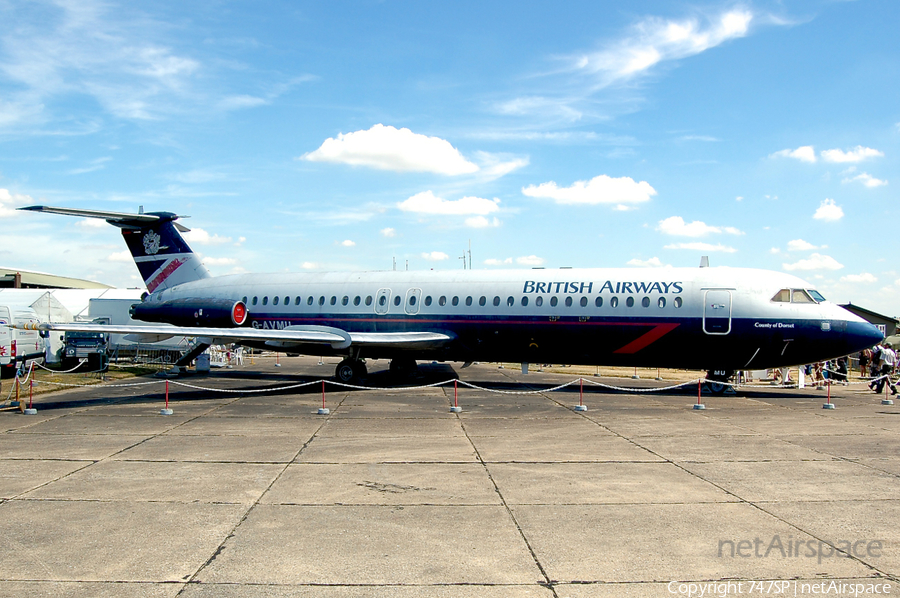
715,319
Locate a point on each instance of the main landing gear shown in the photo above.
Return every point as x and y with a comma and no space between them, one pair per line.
350,371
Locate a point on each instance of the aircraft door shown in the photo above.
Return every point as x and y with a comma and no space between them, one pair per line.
382,301
413,296
717,312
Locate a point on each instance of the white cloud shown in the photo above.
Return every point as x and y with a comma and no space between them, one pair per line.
388,148
435,256
482,222
199,236
859,278
120,256
816,261
655,40
599,190
857,154
867,180
829,211
348,243
428,203
10,201
494,166
219,261
775,251
388,232
496,262
653,262
702,247
310,266
91,223
530,260
804,153
800,245
676,226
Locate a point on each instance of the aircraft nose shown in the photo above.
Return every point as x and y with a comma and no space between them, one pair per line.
862,335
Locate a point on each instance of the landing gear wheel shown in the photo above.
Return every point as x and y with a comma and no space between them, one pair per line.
403,368
717,381
350,371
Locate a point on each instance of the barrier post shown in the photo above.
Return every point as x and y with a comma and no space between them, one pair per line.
699,406
166,410
828,404
323,410
887,384
456,408
581,406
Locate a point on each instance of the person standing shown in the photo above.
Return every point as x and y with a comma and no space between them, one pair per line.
888,361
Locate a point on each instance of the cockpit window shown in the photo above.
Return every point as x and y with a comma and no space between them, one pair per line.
797,296
800,296
816,295
782,296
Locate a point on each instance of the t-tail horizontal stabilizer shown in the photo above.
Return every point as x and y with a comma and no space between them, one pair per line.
161,254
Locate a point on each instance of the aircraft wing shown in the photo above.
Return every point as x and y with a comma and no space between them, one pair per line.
285,338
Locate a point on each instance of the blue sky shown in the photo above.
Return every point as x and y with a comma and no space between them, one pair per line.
345,135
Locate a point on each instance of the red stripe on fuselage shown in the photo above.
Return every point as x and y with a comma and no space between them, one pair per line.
162,276
648,338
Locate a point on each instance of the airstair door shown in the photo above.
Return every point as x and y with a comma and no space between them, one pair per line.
717,311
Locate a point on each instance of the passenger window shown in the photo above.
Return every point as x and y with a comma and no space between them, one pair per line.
510,301
496,301
524,301
483,301
584,302
297,300
321,299
244,300
553,301
333,300
455,301
629,302
382,301
662,302
345,300
468,301
645,302
265,300
428,301
442,301
598,302
356,300
678,302
782,296
310,300
539,301
800,296
287,300
369,300
397,300
255,299
614,302
275,301
412,300
568,302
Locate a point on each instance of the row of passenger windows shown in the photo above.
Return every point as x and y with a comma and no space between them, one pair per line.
442,301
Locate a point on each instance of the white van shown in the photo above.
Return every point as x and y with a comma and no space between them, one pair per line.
18,346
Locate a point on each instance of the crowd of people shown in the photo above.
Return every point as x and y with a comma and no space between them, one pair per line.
881,360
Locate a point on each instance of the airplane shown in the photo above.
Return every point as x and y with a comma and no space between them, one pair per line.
717,319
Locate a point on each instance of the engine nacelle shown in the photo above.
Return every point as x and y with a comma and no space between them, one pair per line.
215,313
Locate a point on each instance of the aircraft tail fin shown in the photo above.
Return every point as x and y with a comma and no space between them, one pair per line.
154,239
